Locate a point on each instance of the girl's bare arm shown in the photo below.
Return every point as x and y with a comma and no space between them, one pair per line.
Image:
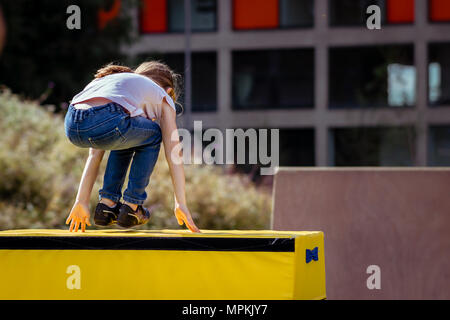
171,141
80,210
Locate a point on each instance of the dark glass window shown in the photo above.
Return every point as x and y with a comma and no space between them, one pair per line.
439,74
379,146
204,82
296,148
203,15
354,12
273,79
375,76
439,146
204,77
296,13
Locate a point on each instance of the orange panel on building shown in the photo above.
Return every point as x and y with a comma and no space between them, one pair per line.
439,10
255,14
153,16
400,11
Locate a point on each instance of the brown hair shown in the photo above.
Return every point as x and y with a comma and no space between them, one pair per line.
155,70
111,69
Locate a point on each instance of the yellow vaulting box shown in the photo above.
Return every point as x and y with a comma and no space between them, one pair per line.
162,265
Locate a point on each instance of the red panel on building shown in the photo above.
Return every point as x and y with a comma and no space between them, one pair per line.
153,17
255,14
439,10
400,11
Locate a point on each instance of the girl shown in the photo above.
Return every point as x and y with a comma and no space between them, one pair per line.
130,113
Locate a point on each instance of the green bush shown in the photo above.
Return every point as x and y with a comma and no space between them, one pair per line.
40,171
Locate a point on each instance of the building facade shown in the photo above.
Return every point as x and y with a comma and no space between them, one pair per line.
340,93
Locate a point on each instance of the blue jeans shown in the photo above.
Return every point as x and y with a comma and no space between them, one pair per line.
110,127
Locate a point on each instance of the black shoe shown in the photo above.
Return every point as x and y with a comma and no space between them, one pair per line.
129,218
106,216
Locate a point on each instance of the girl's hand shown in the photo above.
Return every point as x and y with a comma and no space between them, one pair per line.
183,216
78,215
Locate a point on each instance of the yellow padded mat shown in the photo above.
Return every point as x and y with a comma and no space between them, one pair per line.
162,264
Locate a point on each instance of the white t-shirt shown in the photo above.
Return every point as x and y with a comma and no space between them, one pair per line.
140,95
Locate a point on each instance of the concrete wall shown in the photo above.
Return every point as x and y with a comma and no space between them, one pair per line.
398,219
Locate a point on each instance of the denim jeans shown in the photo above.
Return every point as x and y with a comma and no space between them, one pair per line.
136,140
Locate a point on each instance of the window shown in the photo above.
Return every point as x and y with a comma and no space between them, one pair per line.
158,16
380,146
353,12
203,15
439,74
439,146
296,148
204,77
296,13
439,10
273,79
272,14
373,76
